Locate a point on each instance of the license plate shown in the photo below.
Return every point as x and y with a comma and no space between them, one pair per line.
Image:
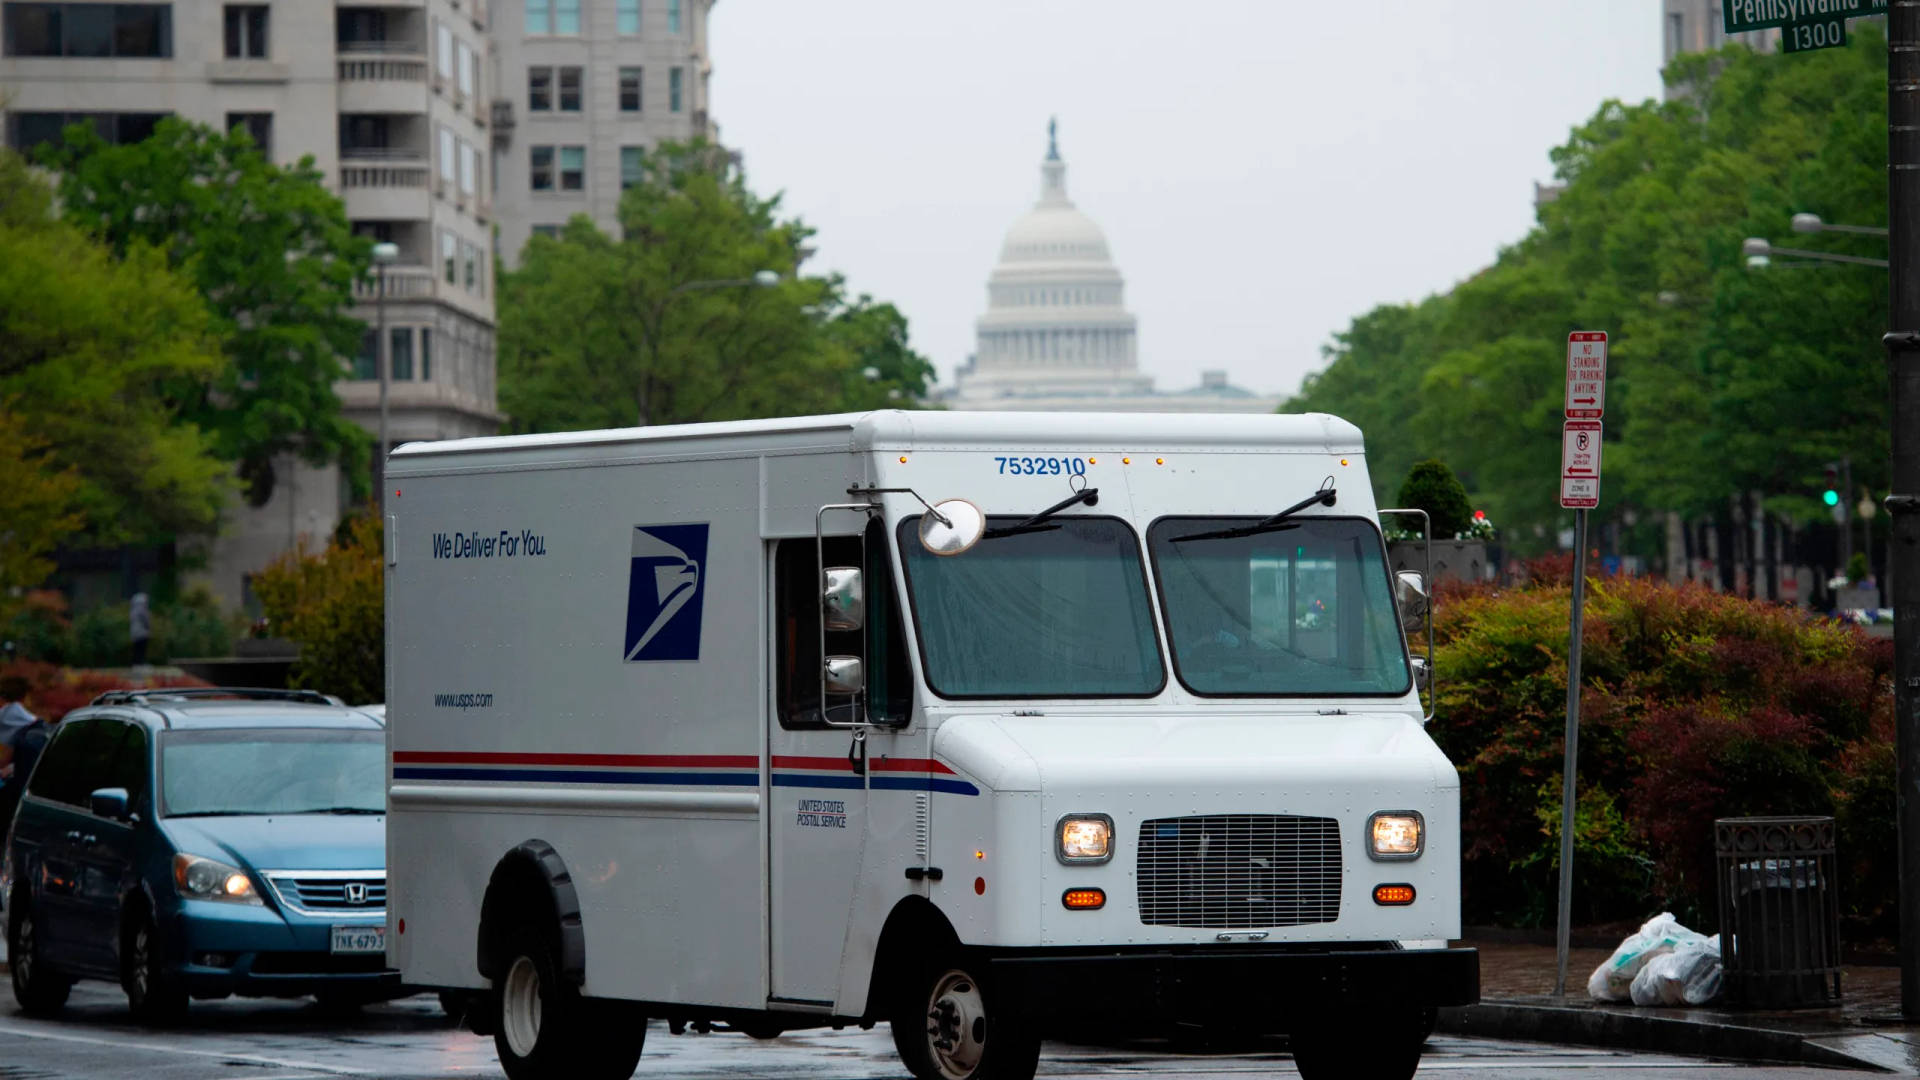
359,939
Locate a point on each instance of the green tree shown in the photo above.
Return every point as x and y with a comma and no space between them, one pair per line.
39,512
333,604
88,341
667,324
271,250
1432,487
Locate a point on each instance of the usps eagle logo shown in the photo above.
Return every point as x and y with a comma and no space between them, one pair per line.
665,588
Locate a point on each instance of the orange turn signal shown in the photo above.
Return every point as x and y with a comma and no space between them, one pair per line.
1084,899
1393,895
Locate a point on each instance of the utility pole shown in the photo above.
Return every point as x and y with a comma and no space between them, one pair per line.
1903,363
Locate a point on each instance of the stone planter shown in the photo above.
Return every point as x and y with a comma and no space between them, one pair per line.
1453,560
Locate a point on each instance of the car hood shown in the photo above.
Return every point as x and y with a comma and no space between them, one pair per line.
286,841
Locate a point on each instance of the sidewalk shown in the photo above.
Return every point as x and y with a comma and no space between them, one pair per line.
1517,1002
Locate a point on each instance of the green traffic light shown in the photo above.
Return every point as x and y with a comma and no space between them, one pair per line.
1832,497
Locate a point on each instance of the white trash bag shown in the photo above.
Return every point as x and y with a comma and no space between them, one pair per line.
1688,975
1613,980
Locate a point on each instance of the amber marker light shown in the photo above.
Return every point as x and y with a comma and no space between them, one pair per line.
1393,895
979,854
1126,461
1084,899
1343,461
1159,461
1093,461
903,459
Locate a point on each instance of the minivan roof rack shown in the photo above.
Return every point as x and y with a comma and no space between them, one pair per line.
247,693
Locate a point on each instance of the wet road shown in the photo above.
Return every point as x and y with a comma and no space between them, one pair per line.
266,1040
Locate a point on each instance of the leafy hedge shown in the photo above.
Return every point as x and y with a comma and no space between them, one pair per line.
54,691
1694,705
333,603
190,625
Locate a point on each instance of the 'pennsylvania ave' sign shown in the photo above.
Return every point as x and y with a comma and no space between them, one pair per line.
1743,15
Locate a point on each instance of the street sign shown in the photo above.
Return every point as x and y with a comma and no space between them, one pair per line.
1580,464
1586,375
1808,36
1740,16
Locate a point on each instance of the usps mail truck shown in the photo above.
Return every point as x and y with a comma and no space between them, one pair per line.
988,727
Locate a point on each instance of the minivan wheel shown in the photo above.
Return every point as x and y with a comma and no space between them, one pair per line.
945,1028
40,990
154,994
544,1030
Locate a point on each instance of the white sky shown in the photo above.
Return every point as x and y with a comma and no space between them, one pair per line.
1264,171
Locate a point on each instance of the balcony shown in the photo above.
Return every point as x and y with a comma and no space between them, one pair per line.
500,119
382,77
404,282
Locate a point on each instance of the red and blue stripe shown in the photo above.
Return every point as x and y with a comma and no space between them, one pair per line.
675,770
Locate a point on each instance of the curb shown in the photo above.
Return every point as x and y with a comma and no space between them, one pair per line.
1619,1029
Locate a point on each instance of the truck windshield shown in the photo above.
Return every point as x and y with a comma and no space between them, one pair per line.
1303,610
1061,611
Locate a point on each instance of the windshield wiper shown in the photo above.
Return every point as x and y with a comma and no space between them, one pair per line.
1090,496
1325,496
336,810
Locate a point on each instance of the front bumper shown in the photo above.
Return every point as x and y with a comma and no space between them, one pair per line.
1264,988
222,949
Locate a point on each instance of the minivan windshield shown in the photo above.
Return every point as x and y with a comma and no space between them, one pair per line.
1057,611
231,771
1303,609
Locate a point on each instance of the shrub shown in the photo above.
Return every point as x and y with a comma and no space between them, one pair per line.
39,629
192,625
54,691
333,604
1432,487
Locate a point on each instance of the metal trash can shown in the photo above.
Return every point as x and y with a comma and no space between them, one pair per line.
1779,911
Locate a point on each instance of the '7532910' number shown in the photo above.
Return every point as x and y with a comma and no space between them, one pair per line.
1041,466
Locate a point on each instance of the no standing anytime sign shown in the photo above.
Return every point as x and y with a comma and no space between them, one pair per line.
1581,432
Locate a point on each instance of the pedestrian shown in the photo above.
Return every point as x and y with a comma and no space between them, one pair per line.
22,736
139,627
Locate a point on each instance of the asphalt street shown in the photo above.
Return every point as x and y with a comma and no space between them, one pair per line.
269,1040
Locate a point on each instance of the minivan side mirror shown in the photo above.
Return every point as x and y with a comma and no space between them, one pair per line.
844,600
110,802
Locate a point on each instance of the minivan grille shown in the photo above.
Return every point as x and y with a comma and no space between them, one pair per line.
360,894
1239,871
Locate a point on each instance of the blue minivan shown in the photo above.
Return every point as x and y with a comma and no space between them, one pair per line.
203,843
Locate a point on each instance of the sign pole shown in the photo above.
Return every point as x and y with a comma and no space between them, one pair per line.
1563,938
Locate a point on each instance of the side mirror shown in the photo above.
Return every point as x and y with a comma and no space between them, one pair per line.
845,675
1410,594
110,802
1422,674
964,526
844,599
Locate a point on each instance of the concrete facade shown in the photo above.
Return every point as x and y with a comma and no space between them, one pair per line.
390,99
1691,26
565,73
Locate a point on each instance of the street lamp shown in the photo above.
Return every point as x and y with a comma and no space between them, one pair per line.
1759,252
1811,223
384,255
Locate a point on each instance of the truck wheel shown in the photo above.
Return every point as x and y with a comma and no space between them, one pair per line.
544,1029
154,995
40,990
1343,1050
945,1029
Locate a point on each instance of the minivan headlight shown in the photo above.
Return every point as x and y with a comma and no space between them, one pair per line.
1396,835
198,878
1084,838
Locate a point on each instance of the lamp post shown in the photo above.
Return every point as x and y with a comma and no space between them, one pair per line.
1760,251
384,255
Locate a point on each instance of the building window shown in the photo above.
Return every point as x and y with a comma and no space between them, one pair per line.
258,126
551,232
443,50
674,79
629,89
426,354
366,365
539,16
542,157
470,262
627,16
447,257
539,89
1676,42
573,168
465,55
673,16
469,168
27,131
447,162
246,31
569,89
633,166
400,353
566,16
90,30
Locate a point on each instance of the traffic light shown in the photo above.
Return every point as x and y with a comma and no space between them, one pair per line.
1831,496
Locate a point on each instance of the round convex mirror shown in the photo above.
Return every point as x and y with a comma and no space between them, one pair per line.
968,523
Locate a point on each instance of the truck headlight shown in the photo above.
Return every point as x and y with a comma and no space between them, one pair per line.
1396,835
207,879
1084,838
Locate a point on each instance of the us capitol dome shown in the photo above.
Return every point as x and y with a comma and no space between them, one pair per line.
1057,335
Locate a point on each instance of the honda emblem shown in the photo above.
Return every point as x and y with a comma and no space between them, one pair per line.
356,892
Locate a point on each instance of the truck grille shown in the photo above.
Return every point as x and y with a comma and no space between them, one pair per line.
357,894
1239,871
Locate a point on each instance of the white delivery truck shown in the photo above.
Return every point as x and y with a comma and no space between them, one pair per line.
991,727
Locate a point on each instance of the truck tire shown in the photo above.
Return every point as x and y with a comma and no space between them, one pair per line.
544,1029
1382,1049
945,1028
40,990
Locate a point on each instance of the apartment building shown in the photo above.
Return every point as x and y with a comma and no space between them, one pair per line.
391,100
1691,26
581,89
